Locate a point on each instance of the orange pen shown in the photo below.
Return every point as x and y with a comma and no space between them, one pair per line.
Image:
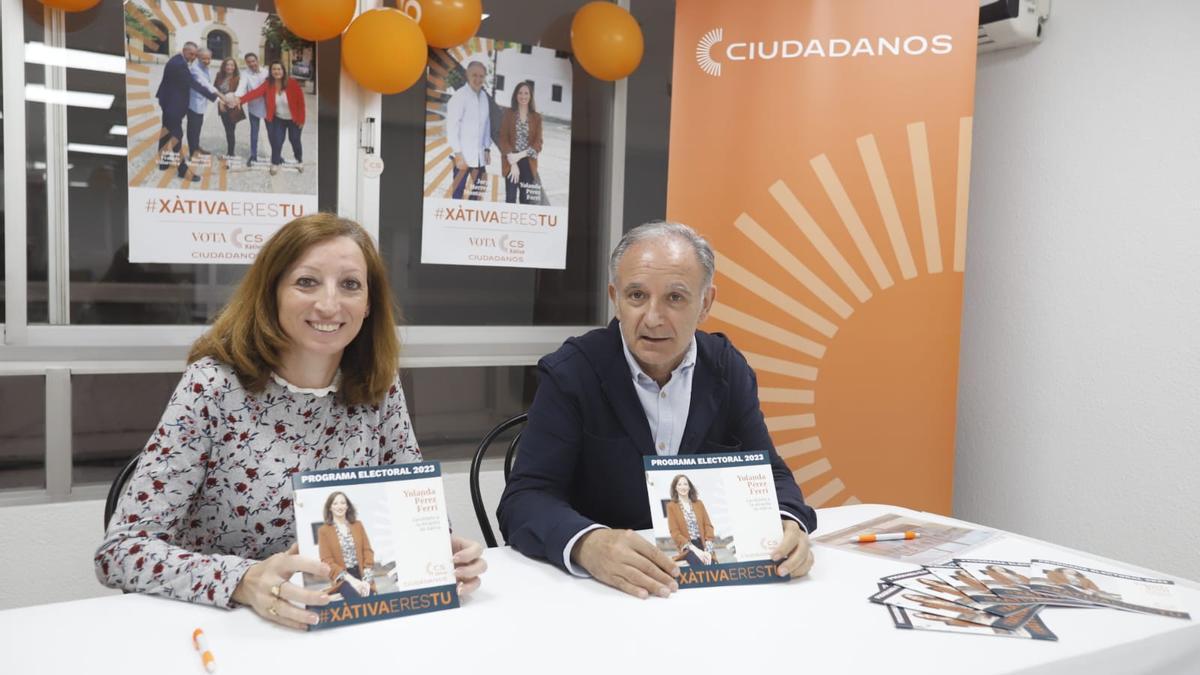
888,536
206,655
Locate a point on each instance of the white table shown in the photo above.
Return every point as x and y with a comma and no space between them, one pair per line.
531,617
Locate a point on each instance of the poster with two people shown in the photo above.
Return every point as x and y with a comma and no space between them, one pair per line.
497,155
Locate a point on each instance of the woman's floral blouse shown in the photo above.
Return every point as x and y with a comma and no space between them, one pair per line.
212,493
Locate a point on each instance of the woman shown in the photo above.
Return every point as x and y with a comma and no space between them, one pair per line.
285,113
298,372
1004,576
691,530
520,142
344,546
227,83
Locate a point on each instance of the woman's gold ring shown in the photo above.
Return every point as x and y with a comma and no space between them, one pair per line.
275,590
271,610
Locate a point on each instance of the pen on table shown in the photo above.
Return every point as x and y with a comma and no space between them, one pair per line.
206,655
887,536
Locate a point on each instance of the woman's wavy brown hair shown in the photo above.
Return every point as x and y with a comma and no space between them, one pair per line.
246,334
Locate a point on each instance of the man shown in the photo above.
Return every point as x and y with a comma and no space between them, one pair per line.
648,384
173,95
198,99
469,128
256,110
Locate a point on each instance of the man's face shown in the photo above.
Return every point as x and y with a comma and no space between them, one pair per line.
189,53
475,75
252,63
659,301
205,58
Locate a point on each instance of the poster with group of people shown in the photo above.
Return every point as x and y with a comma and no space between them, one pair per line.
222,137
497,155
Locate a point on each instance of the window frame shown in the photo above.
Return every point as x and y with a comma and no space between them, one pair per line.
58,349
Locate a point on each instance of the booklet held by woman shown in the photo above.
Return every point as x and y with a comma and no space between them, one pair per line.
384,532
716,515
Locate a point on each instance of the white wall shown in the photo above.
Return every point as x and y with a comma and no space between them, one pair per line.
1079,389
46,550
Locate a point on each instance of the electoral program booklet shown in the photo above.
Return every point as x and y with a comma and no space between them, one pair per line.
1107,588
716,515
387,528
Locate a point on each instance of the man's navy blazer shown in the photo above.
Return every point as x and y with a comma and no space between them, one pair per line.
580,457
177,82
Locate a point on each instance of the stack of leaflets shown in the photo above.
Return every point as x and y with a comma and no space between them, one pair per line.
1007,598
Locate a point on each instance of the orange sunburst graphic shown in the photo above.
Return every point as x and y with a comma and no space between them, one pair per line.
438,164
852,351
144,119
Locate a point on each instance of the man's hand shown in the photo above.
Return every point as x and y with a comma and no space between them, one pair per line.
794,555
624,560
487,157
468,563
460,163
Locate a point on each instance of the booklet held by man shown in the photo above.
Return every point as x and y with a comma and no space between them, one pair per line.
717,516
385,534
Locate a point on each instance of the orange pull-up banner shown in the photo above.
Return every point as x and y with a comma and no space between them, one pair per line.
824,147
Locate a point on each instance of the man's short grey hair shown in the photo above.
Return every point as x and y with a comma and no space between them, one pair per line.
191,44
476,63
658,229
202,52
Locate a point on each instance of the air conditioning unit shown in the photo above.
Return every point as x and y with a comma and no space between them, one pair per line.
1011,23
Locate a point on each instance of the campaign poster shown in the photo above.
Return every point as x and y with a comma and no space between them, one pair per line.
221,132
824,150
497,156
716,515
385,534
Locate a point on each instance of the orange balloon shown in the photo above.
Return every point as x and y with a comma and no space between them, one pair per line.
607,40
446,23
384,50
316,19
71,5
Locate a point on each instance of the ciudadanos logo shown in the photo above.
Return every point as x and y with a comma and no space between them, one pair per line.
714,53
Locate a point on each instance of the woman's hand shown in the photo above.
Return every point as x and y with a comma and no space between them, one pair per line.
514,173
266,589
363,588
706,557
468,563
514,157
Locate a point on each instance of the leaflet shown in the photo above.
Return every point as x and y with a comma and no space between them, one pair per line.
1111,589
385,534
717,516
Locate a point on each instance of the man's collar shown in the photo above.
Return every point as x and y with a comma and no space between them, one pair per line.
689,358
